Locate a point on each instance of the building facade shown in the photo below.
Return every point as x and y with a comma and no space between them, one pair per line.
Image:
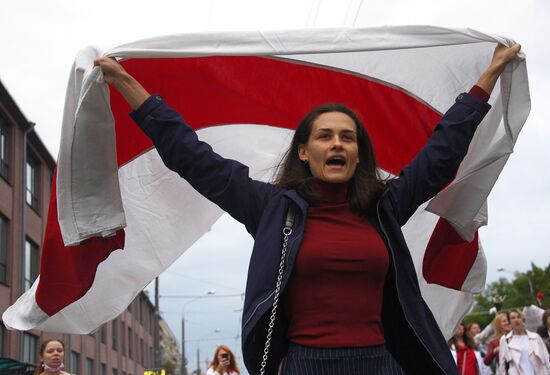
124,346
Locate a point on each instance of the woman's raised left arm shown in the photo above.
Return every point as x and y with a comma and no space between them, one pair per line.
436,164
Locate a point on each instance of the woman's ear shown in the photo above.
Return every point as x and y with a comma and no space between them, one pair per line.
302,153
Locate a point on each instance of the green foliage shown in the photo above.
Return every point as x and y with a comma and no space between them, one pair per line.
517,293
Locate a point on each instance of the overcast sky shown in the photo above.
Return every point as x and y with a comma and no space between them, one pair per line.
40,39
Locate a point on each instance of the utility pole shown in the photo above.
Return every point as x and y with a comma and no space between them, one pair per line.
183,359
198,362
157,360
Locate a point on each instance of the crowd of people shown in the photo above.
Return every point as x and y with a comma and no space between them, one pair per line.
505,347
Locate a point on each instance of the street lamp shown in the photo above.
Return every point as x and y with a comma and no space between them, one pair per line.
517,274
183,359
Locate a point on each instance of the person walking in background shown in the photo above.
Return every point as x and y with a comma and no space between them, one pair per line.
544,329
466,359
501,326
52,353
223,362
522,352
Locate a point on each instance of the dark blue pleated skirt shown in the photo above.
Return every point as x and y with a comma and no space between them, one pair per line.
375,360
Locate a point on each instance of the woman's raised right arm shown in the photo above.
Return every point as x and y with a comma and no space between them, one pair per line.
223,181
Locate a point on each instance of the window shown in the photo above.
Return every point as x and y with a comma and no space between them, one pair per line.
73,363
136,347
142,352
150,356
115,372
31,182
114,335
123,338
89,366
30,264
4,150
29,348
102,369
102,334
130,342
2,335
3,249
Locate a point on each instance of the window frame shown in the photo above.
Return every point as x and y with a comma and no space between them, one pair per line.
29,344
74,362
32,187
34,264
4,233
5,137
89,366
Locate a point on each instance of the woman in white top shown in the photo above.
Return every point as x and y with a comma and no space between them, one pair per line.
522,352
223,362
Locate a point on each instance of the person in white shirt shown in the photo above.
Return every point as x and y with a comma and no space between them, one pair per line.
522,352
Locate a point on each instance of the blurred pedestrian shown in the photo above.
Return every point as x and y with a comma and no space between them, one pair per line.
52,353
473,329
223,363
522,352
464,346
544,329
501,326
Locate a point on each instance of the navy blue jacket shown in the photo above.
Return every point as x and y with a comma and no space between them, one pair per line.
412,334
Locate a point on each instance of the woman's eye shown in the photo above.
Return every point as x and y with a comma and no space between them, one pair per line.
348,137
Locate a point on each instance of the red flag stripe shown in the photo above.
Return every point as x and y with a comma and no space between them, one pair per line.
218,90
448,258
66,273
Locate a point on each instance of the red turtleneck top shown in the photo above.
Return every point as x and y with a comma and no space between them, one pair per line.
334,298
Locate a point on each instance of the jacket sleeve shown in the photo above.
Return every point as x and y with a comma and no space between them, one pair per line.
436,164
223,181
488,359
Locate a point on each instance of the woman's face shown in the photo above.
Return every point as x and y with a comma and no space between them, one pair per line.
53,354
474,329
505,324
331,150
459,332
516,321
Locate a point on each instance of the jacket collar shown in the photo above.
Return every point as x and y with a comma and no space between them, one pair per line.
297,199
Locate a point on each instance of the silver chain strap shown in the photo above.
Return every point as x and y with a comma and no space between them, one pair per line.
287,230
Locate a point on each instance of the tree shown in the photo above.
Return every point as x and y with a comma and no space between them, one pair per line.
516,293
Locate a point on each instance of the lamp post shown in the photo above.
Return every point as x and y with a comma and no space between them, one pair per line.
183,359
517,274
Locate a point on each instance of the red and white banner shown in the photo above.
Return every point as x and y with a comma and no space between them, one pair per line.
118,217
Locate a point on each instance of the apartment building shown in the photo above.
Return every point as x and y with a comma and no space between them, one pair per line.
124,346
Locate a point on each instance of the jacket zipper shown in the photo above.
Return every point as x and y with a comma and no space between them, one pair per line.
397,289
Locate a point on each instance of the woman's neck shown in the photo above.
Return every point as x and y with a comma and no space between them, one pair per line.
331,192
519,331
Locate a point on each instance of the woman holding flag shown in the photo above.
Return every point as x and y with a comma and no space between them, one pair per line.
350,298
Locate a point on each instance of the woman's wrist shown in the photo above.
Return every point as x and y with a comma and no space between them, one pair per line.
130,89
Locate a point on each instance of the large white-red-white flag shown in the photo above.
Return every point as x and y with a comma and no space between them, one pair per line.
119,217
